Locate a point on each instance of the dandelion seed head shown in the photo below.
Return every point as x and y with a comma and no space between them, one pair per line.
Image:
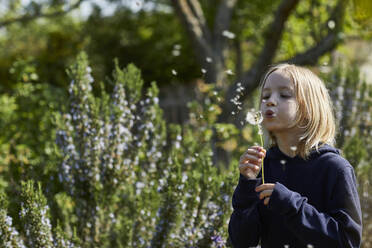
254,117
283,161
203,70
208,59
174,72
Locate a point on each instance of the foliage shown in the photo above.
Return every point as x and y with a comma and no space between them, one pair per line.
123,177
352,98
42,49
152,40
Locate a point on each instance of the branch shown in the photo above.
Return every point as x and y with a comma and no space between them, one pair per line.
27,18
194,26
274,34
222,22
251,78
198,12
328,43
311,56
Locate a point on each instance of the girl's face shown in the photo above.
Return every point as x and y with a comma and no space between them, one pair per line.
279,104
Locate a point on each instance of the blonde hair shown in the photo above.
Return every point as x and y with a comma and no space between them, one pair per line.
314,111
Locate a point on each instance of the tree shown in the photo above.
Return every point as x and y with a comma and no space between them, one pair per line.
34,10
210,39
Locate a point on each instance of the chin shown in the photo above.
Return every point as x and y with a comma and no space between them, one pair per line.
273,128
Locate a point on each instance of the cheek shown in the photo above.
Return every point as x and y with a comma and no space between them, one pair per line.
292,110
289,111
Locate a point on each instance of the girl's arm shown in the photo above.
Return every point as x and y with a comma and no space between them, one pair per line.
244,225
340,226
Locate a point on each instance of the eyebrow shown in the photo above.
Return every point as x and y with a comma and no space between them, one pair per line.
280,88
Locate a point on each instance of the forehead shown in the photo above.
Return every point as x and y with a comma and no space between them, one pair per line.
278,80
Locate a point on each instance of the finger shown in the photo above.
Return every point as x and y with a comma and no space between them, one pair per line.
265,193
254,168
251,158
266,201
265,186
249,165
256,153
259,149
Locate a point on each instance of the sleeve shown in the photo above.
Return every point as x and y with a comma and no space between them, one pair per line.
340,226
244,225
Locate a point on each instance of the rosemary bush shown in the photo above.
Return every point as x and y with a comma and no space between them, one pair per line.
126,178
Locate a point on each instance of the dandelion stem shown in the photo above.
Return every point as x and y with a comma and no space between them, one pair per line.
255,118
262,164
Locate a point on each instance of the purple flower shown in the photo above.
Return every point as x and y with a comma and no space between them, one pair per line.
218,241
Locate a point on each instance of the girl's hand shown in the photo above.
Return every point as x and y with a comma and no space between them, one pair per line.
250,161
266,191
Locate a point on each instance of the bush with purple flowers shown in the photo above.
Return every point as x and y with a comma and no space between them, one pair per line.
126,178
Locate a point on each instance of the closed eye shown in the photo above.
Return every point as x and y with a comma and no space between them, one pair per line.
286,96
265,96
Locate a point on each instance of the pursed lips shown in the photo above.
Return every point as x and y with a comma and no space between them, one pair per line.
269,113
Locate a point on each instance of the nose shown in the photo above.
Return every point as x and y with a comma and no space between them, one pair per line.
271,101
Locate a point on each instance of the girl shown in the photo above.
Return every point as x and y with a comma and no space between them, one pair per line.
309,198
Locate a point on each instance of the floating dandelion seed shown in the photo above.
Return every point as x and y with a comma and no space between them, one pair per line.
293,148
331,24
255,118
283,161
176,50
229,72
228,34
176,53
174,72
203,70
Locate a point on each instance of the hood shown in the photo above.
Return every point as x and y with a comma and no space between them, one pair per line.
275,153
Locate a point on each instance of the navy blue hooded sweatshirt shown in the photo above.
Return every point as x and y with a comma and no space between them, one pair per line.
314,202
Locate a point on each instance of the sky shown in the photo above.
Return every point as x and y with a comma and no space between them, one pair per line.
107,8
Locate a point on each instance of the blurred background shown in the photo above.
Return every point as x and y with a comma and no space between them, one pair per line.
207,58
